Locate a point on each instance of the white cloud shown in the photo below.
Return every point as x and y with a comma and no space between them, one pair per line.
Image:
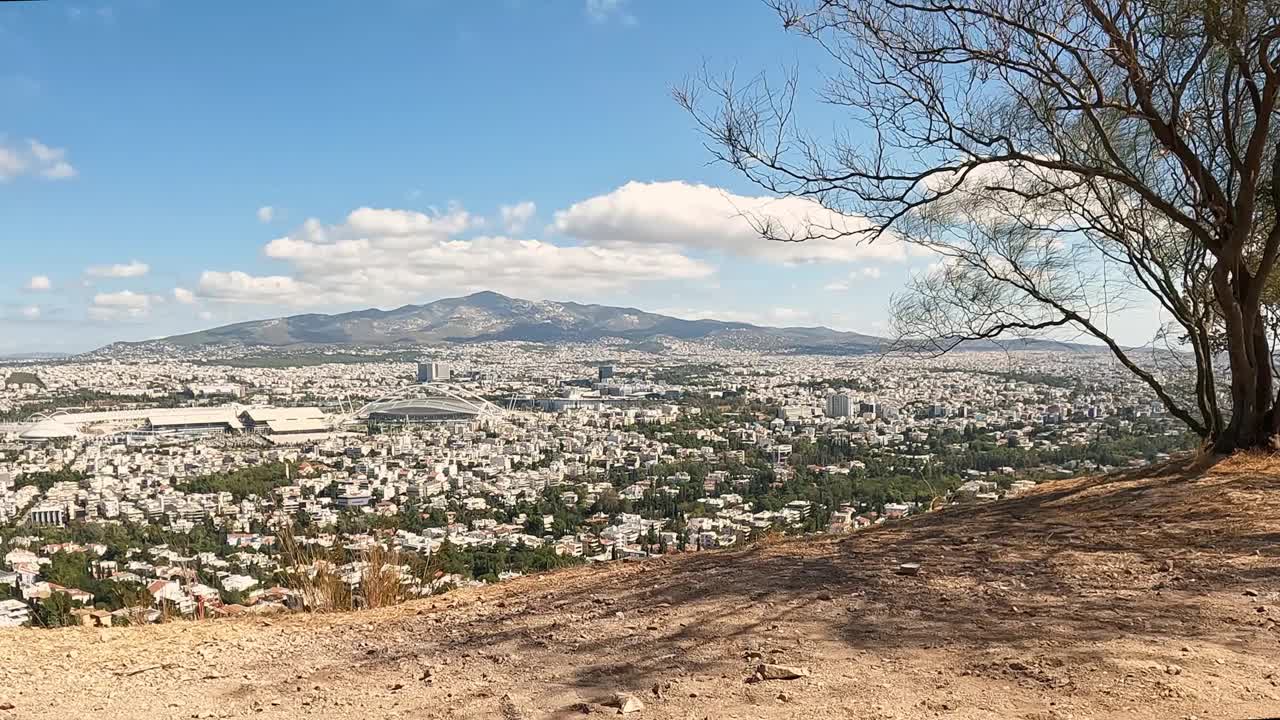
836,286
601,11
266,214
871,272
34,158
772,317
39,283
789,315
130,269
184,296
31,312
122,305
236,286
388,256
515,217
699,216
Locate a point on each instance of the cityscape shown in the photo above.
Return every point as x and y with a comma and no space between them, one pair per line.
133,490
666,359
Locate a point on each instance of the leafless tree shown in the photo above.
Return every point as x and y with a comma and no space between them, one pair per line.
1061,158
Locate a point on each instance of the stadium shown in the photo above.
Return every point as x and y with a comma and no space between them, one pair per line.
425,404
422,410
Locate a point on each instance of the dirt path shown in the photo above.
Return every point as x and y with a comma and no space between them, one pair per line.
1136,596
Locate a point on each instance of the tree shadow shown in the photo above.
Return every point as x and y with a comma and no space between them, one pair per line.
1056,572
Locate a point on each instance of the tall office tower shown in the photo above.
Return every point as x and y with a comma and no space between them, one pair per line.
433,371
838,405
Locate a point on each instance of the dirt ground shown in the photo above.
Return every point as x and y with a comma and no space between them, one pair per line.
1148,595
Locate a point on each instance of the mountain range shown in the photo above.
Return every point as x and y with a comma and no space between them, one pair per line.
490,316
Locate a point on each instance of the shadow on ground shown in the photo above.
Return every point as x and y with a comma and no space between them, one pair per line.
1072,565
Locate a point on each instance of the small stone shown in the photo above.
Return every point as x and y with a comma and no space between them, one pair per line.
6,706
770,671
783,697
909,569
627,703
1250,592
1173,670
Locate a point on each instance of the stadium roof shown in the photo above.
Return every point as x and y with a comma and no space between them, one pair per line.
270,414
300,425
185,417
423,409
48,430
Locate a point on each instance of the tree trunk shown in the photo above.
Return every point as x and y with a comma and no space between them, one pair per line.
1253,417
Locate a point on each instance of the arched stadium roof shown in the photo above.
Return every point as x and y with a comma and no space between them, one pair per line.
421,409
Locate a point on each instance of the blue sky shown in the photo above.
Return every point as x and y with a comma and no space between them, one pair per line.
169,166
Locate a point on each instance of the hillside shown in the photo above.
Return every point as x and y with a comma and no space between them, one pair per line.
489,316
1149,595
486,316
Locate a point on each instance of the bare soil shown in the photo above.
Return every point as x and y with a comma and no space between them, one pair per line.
1147,595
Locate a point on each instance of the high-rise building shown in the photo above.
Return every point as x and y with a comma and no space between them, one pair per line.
434,371
838,405
606,372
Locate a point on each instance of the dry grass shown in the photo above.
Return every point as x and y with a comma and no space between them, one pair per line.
1250,462
384,577
313,574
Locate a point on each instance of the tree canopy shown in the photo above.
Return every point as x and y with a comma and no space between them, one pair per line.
1062,160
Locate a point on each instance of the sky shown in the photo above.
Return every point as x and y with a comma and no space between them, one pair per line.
171,166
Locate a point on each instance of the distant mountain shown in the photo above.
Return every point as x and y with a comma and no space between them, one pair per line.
18,357
487,316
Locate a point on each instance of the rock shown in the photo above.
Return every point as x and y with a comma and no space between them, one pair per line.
626,703
783,697
1166,565
826,595
909,569
1173,670
770,671
1250,592
510,706
6,706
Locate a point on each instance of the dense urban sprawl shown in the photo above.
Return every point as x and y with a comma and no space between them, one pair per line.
134,488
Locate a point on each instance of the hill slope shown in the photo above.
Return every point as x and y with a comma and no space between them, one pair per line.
490,316
486,316
1147,595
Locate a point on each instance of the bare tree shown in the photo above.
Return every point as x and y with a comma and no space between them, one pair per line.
1062,158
